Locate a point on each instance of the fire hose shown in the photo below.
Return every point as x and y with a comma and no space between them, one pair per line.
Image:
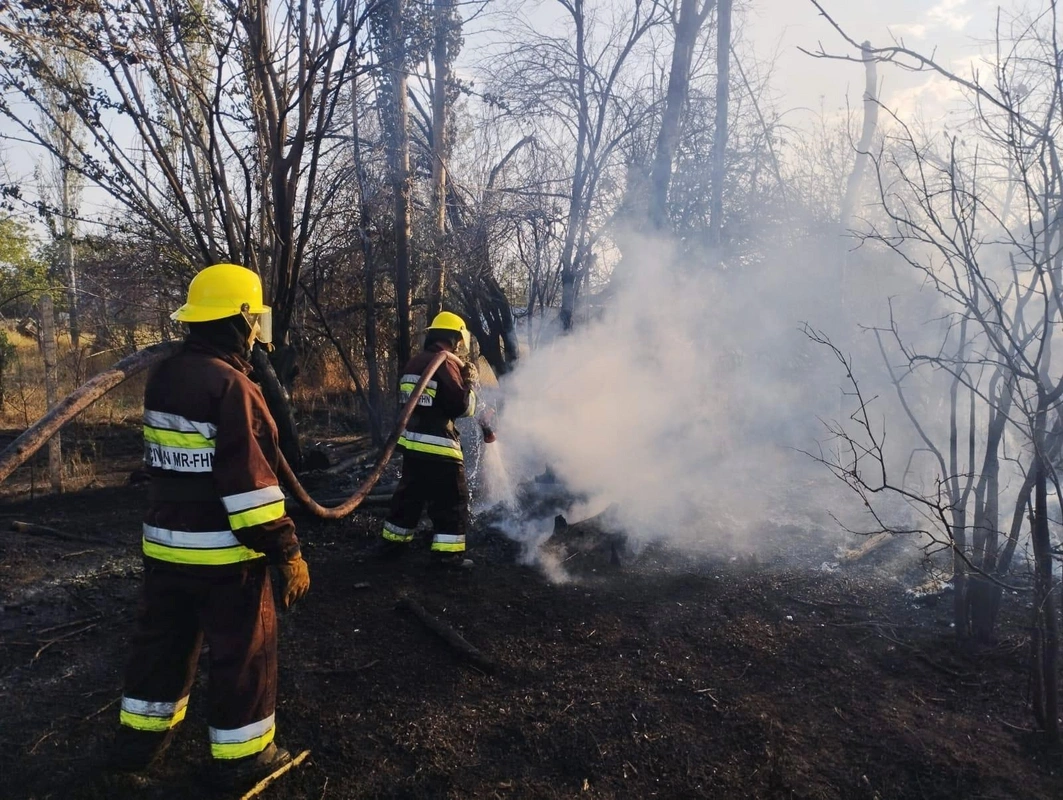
34,438
355,500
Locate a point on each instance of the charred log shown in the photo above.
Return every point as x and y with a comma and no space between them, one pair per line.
445,632
593,536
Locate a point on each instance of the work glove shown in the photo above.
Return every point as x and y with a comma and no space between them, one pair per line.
489,434
470,375
295,581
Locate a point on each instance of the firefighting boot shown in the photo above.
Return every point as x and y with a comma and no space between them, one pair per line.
245,772
386,550
449,561
137,751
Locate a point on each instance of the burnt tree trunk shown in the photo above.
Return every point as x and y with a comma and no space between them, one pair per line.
687,26
280,406
365,220
51,387
1046,624
719,140
984,595
441,67
400,177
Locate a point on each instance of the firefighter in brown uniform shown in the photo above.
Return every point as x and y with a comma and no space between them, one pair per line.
433,472
215,524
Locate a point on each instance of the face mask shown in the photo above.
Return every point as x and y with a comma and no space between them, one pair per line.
261,326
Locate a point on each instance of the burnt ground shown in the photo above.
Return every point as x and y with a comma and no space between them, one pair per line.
669,677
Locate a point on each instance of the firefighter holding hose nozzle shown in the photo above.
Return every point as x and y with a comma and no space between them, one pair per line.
433,469
215,523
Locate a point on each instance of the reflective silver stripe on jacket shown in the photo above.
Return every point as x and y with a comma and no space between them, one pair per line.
190,540
235,503
414,378
438,441
175,422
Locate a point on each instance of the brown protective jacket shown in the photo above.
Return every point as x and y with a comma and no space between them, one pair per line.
211,447
431,430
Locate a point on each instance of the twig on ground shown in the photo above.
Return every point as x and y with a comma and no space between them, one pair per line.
40,742
259,787
1014,727
447,634
709,693
50,642
71,623
99,711
342,671
823,603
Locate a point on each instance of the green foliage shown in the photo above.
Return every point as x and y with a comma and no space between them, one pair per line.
23,276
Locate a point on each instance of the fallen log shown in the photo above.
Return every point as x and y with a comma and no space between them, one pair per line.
44,530
445,632
33,438
351,461
871,545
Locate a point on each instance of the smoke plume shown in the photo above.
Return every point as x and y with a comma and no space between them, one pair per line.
686,396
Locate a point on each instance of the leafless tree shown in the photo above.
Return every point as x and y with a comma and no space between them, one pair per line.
227,106
995,259
581,85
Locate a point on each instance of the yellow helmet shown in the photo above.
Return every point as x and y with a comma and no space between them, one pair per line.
220,291
448,321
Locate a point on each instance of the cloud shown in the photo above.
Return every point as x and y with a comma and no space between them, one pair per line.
947,13
914,30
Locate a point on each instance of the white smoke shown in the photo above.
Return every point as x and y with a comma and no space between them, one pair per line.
685,399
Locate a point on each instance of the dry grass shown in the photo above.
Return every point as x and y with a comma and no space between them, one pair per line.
25,400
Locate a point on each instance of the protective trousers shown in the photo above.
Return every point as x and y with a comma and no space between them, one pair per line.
235,614
439,484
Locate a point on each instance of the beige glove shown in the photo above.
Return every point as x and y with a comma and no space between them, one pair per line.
470,374
295,581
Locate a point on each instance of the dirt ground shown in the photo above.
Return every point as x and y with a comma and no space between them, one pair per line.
726,677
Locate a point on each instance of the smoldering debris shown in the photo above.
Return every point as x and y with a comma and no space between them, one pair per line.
598,536
538,518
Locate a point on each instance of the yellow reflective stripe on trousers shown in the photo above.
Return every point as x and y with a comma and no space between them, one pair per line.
448,543
396,533
257,516
186,441
242,742
432,449
150,715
